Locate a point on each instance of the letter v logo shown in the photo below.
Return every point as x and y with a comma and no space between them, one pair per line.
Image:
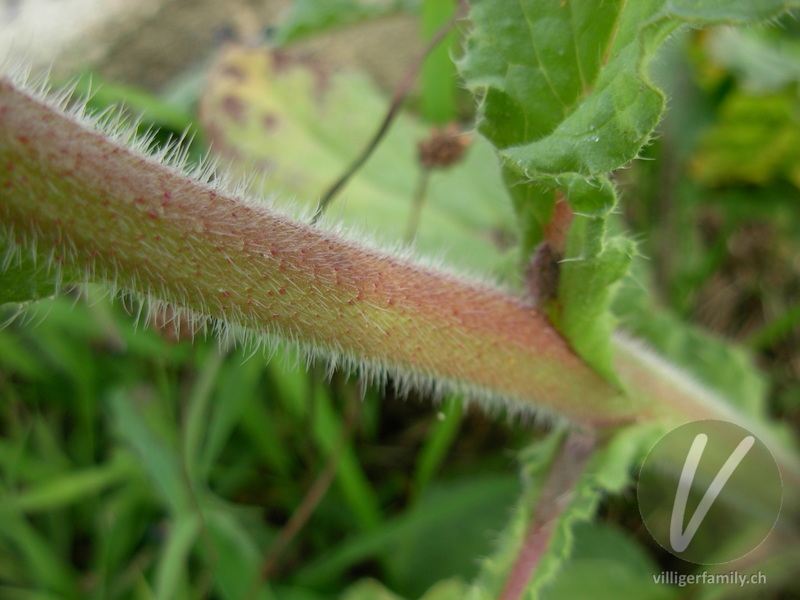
678,539
690,488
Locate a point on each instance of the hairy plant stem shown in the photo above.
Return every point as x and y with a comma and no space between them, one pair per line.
88,203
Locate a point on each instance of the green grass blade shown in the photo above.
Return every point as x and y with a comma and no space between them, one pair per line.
439,442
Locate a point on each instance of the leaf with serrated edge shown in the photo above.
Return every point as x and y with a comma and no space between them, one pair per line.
607,472
566,99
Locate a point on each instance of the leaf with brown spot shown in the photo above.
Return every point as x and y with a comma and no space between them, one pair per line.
305,123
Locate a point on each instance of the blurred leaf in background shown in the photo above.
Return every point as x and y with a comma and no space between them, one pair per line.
278,115
718,210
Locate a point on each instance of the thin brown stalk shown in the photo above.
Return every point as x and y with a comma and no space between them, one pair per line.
398,99
564,474
416,207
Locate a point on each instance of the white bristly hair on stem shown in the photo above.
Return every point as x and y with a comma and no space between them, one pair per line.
95,202
92,201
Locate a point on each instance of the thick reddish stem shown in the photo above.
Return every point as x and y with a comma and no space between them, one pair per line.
121,216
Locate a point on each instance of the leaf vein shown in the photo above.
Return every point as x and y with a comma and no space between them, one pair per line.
542,67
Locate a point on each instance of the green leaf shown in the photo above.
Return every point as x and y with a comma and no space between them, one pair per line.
594,263
438,443
307,17
607,472
369,589
566,98
763,59
235,558
184,530
24,276
158,459
438,77
447,589
755,141
71,487
535,462
727,369
198,419
236,387
565,83
16,358
456,508
448,545
536,62
45,565
606,558
326,431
